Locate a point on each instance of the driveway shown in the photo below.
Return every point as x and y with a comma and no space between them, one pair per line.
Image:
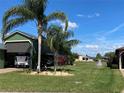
6,70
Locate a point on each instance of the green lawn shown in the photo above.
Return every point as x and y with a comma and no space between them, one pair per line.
88,79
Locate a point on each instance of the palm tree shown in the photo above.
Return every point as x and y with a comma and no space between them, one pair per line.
58,41
31,10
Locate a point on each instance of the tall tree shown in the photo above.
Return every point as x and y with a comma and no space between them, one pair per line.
31,10
98,56
111,58
58,41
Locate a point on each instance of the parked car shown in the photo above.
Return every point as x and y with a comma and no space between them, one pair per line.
21,61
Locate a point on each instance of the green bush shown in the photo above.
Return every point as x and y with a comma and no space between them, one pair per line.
114,66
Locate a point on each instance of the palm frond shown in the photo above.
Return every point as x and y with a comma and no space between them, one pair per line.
13,23
58,15
17,11
72,42
45,24
60,39
36,6
53,29
68,34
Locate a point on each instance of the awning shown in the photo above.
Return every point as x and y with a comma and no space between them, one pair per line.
18,47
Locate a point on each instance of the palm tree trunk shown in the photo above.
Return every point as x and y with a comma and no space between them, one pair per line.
39,53
39,47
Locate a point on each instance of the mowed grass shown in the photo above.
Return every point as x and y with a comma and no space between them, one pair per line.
88,79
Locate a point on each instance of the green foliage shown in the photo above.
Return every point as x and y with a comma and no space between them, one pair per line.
98,56
72,57
113,66
30,10
111,58
110,55
58,41
58,15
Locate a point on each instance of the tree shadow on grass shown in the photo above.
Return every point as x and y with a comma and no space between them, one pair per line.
66,70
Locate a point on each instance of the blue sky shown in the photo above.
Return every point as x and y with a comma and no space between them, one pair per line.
98,24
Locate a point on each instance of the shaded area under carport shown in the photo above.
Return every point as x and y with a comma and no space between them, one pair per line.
16,49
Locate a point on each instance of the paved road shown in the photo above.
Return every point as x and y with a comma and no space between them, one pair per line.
6,70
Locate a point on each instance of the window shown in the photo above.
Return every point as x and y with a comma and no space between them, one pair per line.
83,58
86,58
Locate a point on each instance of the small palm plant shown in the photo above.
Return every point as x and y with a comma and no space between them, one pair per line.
31,10
58,41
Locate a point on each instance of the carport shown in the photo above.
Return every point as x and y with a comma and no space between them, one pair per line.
120,57
19,44
17,49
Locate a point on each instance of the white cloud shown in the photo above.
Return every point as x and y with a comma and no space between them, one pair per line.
89,15
117,46
98,46
79,46
89,46
71,25
88,49
0,40
105,43
93,15
55,22
106,33
80,15
97,14
101,39
113,30
116,28
101,43
92,46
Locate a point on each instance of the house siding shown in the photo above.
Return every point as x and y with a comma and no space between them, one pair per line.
16,37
